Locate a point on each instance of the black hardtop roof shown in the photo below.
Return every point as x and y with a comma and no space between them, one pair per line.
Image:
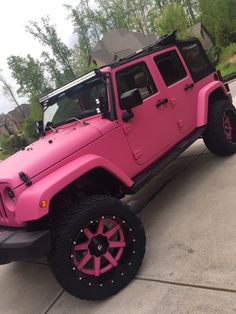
163,42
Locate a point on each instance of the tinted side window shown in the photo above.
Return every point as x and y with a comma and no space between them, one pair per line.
170,67
136,76
196,59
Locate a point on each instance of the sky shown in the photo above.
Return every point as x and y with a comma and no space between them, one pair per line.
14,15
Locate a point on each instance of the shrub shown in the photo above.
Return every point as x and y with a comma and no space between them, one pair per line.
213,54
227,65
228,52
30,129
13,143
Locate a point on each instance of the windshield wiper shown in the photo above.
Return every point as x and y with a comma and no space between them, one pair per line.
50,126
76,119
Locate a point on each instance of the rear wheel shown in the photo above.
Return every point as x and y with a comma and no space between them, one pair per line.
220,135
98,247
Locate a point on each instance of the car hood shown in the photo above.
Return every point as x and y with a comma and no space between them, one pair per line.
46,152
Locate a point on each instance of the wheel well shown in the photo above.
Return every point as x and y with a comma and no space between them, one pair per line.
96,181
217,95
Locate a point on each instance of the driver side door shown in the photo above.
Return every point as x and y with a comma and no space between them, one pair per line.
152,130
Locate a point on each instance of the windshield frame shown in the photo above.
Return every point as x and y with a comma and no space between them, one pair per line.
110,113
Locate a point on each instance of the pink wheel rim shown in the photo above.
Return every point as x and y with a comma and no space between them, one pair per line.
228,127
102,249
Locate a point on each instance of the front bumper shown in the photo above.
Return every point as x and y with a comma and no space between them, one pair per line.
20,244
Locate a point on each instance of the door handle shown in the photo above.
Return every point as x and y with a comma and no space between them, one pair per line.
162,102
188,86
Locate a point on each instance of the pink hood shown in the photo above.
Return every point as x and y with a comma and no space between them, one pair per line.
46,152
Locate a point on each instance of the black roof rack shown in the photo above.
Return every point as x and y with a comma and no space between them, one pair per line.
165,40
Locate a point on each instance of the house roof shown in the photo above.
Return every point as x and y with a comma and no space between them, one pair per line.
118,43
16,113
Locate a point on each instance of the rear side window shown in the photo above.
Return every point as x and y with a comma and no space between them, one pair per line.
135,76
196,59
170,67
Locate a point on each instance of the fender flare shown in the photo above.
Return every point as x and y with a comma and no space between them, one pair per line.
203,101
28,204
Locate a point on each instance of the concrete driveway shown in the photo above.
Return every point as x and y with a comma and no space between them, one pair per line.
190,263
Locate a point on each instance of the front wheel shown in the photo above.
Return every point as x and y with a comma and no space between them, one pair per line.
98,247
220,135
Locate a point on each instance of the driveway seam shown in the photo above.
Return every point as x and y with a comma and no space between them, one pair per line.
173,283
54,301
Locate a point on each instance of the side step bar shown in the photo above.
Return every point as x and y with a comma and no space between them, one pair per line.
141,179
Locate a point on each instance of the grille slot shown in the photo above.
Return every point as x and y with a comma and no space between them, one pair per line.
2,209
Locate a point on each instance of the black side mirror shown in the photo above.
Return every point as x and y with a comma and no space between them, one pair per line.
40,128
130,99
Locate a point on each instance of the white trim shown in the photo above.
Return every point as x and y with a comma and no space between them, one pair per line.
67,86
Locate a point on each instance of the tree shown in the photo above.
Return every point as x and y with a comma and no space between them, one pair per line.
9,93
29,129
132,15
173,18
46,34
29,75
57,76
220,19
191,7
89,24
85,25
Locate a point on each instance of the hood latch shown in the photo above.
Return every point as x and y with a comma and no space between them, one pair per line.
25,178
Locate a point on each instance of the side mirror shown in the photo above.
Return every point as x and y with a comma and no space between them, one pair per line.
130,99
40,128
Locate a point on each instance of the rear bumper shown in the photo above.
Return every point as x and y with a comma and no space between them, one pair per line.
19,244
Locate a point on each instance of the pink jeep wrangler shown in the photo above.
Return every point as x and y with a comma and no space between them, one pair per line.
105,135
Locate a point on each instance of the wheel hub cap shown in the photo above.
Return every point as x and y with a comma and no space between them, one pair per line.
100,247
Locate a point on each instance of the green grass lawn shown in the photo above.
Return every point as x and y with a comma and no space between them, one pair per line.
227,60
2,156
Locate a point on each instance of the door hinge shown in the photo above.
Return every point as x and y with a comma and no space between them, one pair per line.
127,128
180,123
173,102
137,153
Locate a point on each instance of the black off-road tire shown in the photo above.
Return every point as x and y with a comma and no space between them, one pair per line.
215,137
66,229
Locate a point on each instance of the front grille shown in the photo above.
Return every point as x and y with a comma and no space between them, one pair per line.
2,209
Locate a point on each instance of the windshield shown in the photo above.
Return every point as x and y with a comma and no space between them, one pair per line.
79,102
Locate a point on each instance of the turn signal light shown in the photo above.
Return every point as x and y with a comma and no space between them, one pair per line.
43,204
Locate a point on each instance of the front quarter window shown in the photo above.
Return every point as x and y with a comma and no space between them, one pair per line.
81,101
